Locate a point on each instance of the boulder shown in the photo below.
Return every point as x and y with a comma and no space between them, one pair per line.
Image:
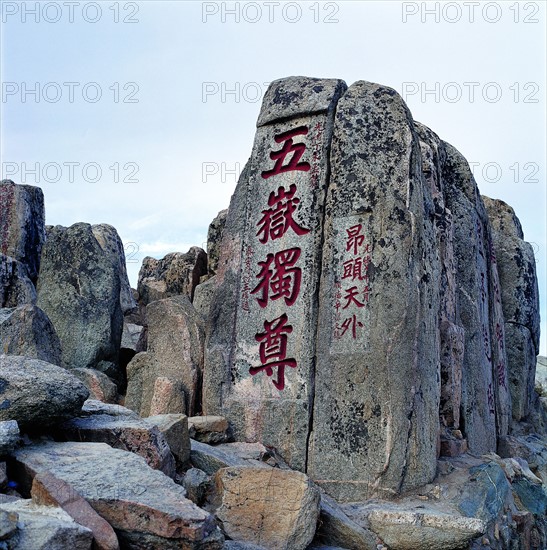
15,286
541,376
131,335
335,528
79,290
260,353
214,240
203,297
110,242
174,274
9,436
22,229
100,386
422,527
123,432
531,448
47,490
167,378
26,330
38,394
44,528
196,482
210,458
519,295
277,509
377,386
174,428
146,508
209,429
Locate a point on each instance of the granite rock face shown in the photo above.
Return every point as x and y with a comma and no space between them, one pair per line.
167,378
110,242
175,274
26,330
79,290
261,327
22,229
214,240
16,288
359,284
38,394
376,381
520,302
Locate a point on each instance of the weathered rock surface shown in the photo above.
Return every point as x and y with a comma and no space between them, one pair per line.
44,528
335,528
110,242
520,300
167,378
209,429
26,330
203,297
131,335
377,388
22,229
531,448
175,274
47,490
214,240
541,375
277,509
274,223
196,482
174,428
15,286
145,507
100,386
37,394
422,528
79,290
122,431
9,436
212,458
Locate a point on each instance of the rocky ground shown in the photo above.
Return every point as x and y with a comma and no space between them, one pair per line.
104,438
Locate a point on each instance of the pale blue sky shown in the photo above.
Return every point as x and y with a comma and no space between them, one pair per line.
175,51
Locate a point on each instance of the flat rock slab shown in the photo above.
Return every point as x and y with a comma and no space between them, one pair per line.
51,491
210,459
140,503
174,427
126,433
274,508
209,429
45,528
36,393
420,527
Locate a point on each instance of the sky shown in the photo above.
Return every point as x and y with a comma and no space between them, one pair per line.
142,114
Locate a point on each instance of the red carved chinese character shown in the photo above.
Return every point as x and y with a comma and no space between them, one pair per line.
355,238
350,297
349,322
490,395
289,147
277,220
273,348
356,269
283,281
501,375
486,340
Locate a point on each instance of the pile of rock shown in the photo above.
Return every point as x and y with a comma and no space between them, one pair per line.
352,365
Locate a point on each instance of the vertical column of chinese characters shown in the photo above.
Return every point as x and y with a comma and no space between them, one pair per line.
279,275
352,293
